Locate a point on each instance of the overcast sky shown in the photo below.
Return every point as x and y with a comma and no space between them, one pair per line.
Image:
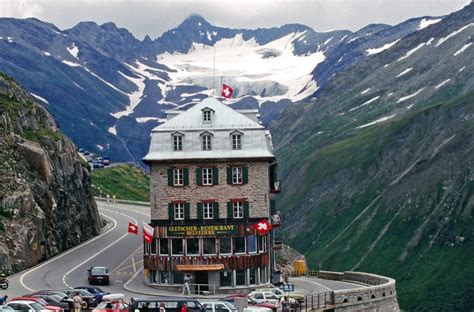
153,17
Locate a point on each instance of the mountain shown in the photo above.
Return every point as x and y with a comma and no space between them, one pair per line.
378,171
119,87
45,192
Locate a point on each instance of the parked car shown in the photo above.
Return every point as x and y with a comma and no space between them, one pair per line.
280,293
172,304
87,153
98,275
218,306
112,303
55,300
96,291
39,301
106,161
64,297
251,302
87,297
5,308
81,150
25,305
257,309
266,297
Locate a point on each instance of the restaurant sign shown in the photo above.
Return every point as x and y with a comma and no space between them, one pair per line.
202,230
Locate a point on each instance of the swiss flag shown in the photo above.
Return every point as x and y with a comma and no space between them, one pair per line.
132,228
226,91
263,226
148,232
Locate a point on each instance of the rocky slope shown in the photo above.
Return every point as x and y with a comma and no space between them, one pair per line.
46,203
378,173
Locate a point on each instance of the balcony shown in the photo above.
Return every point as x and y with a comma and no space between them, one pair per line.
275,220
275,188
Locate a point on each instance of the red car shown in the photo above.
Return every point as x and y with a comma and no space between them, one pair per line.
40,301
112,303
251,302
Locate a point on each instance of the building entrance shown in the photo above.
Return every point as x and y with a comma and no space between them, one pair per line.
202,278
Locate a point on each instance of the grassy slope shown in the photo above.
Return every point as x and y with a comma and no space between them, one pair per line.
124,181
436,266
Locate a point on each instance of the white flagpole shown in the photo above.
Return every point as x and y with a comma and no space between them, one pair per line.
214,73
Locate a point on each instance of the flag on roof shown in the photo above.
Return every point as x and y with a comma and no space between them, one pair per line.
226,91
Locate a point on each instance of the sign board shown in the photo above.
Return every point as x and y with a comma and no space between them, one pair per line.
288,287
202,230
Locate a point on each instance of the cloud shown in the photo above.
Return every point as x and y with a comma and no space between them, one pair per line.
21,8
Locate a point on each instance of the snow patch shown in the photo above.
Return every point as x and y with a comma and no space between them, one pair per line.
100,147
366,103
390,94
134,97
42,99
461,69
377,121
442,83
104,81
342,39
74,50
430,41
353,39
454,33
365,91
146,119
382,48
10,39
406,71
409,96
411,51
77,85
467,45
46,53
410,106
112,130
327,41
426,22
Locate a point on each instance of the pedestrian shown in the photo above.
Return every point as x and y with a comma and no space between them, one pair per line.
184,308
3,300
285,305
77,301
162,307
146,307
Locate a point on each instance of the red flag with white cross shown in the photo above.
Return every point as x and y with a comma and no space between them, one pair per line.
263,226
148,232
226,91
132,228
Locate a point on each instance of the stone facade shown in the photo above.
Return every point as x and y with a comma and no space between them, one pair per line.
255,191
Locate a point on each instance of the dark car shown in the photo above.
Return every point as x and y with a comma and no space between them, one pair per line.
96,291
172,304
86,296
98,275
62,295
54,300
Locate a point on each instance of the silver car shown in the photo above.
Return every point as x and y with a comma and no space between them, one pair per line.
26,306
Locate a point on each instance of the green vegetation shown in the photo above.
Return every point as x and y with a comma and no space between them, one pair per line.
9,104
124,181
36,135
4,214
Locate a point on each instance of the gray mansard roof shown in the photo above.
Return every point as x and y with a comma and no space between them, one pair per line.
256,140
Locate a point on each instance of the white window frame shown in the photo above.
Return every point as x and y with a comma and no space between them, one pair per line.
206,115
206,140
182,244
236,141
238,210
207,176
237,175
231,246
178,210
199,247
208,210
177,143
178,177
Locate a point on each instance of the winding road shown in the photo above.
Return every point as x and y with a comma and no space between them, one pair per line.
122,254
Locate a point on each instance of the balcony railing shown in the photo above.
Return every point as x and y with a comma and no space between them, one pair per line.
276,188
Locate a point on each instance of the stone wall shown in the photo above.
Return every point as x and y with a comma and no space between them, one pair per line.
256,190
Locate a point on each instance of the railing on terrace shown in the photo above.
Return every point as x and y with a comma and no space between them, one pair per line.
316,301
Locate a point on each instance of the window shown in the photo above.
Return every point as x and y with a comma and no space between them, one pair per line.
178,177
178,277
238,210
239,244
225,245
225,277
206,176
177,246
237,175
252,243
208,210
178,142
263,275
206,116
236,141
261,243
240,277
192,246
209,246
206,142
154,245
179,211
252,276
164,277
164,250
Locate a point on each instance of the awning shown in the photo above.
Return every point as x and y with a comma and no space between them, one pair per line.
200,267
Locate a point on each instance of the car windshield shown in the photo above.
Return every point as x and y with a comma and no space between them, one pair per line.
230,305
56,297
36,306
96,290
85,293
99,271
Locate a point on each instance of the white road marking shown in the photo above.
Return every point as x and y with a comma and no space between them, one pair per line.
130,210
134,267
125,260
62,255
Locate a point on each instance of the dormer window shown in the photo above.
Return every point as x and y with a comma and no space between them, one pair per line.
177,141
206,140
207,115
236,138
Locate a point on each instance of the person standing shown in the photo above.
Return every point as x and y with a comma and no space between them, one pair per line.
285,305
3,300
184,308
77,302
162,307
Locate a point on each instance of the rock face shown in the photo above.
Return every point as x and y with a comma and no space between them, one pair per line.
46,203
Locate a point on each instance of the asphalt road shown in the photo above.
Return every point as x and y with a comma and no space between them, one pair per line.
122,254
